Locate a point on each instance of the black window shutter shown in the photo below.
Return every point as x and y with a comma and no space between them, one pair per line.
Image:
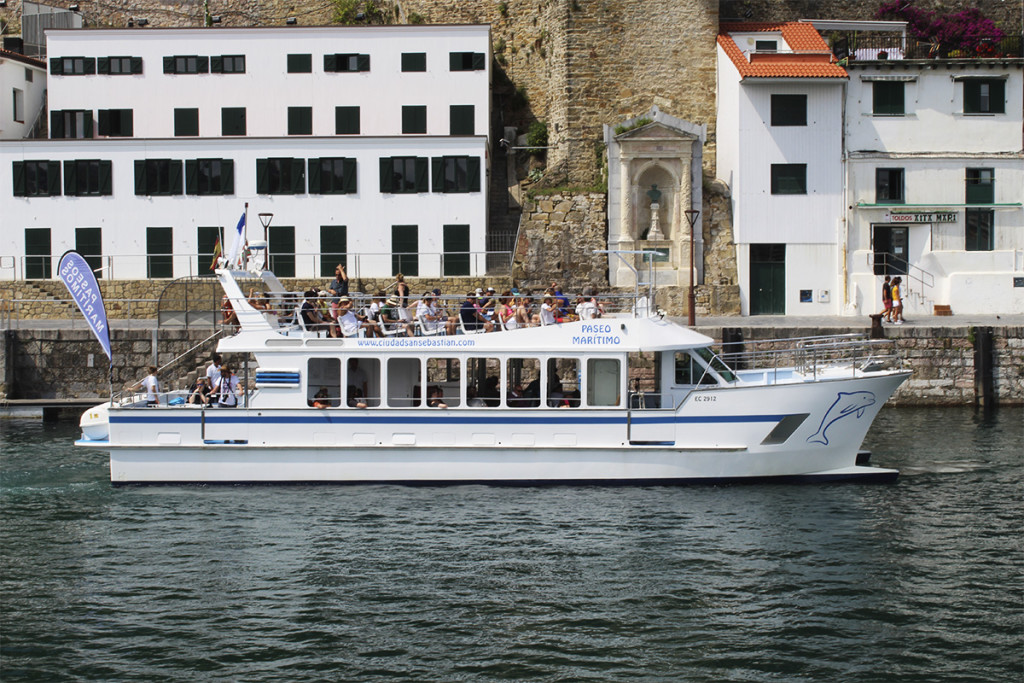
88,125
140,176
127,123
348,171
298,176
314,176
473,171
997,96
90,65
104,122
18,173
363,63
136,65
478,60
191,176
385,174
70,179
455,61
216,65
203,65
53,178
103,65
175,179
330,63
56,124
57,66
227,176
422,173
262,176
106,177
168,65
437,168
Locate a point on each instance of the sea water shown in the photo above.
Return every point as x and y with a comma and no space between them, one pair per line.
920,580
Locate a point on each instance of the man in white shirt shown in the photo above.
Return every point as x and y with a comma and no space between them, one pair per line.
227,389
432,319
152,386
347,320
213,370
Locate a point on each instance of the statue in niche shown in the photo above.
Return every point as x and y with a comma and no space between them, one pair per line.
654,194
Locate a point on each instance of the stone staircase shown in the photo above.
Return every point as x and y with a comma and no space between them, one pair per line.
40,299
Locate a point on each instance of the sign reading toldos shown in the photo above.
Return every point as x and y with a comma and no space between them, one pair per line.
922,216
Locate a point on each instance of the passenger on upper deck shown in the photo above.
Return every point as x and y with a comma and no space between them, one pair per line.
472,316
432,319
390,319
338,288
588,309
547,312
200,392
401,290
310,314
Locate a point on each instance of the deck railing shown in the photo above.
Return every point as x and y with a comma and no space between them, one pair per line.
855,46
813,356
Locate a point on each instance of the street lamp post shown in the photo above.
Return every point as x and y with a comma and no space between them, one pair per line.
691,217
265,219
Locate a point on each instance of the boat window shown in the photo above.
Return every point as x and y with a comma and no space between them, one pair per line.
644,379
603,378
563,383
362,381
323,382
716,363
483,383
523,383
443,381
404,383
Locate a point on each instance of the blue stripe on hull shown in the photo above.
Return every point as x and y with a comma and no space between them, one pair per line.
435,418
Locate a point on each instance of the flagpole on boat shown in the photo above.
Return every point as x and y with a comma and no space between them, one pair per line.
245,233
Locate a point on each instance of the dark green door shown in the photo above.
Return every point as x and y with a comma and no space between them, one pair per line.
405,249
890,244
282,250
333,248
89,244
37,254
159,247
767,279
206,241
456,250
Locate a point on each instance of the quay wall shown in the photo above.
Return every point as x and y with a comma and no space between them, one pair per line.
70,363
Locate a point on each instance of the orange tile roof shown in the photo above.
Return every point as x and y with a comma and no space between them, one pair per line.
18,57
810,56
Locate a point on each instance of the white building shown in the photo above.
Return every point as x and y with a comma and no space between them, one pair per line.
369,145
779,141
935,176
22,94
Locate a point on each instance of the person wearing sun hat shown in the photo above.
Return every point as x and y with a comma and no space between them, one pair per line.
390,319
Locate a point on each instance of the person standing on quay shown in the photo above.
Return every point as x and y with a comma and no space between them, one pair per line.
897,300
887,300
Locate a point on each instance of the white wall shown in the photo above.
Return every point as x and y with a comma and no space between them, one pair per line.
369,214
13,74
808,266
266,90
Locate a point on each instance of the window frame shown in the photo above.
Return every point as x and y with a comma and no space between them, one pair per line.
884,186
342,178
783,112
394,182
200,177
986,186
979,229
227,64
299,63
98,177
158,177
28,182
180,115
344,115
79,66
159,264
300,120
446,176
414,62
289,173
467,61
888,104
181,65
462,119
975,103
239,113
115,123
414,119
779,179
346,62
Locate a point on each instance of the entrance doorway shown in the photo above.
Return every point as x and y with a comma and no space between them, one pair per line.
767,279
891,247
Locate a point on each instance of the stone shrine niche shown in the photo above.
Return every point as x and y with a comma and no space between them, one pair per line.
665,152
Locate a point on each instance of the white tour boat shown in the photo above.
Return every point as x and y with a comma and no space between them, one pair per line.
624,398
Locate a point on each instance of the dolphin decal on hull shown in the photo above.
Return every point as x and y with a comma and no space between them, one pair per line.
847,403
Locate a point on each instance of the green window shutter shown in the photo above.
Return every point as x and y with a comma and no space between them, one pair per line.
90,66
37,243
282,250
349,176
300,120
53,178
140,177
262,176
217,65
88,125
175,176
422,174
456,250
300,64
330,63
414,61
168,65
127,123
888,97
227,174
314,176
414,119
18,174
455,61
136,65
57,66
104,122
405,249
203,65
333,248
103,65
106,177
478,60
997,97
363,63
191,176
346,120
70,179
437,173
298,176
473,173
56,124
385,174
460,120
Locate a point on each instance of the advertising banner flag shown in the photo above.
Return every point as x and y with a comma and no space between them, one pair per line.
81,282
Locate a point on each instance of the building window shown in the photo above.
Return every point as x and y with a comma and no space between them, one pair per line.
887,98
414,119
456,250
70,123
405,250
87,177
332,176
978,233
119,66
789,178
414,61
36,178
115,123
300,64
981,186
206,242
209,176
456,174
89,243
404,175
889,186
159,250
186,64
157,177
282,175
227,64
19,105
186,122
984,96
346,120
38,261
281,249
333,248
766,45
789,110
28,75
466,61
72,66
346,63
461,120
300,120
232,121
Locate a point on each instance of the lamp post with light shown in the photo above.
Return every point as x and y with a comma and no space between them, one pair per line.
691,218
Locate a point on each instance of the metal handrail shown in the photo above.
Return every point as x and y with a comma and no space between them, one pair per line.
887,259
